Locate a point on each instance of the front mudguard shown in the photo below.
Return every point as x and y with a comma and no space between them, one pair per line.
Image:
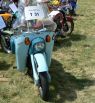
39,65
40,61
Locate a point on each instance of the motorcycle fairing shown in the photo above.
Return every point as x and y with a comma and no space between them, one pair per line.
21,50
35,41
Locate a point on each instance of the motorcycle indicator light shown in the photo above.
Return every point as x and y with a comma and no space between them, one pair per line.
27,41
48,38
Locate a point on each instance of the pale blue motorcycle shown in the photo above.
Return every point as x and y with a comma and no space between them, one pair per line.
34,50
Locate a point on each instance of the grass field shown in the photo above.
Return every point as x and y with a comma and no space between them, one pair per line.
72,68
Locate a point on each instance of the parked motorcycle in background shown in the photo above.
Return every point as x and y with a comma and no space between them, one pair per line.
9,17
65,23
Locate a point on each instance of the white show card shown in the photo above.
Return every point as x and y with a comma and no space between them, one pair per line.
2,23
13,7
33,12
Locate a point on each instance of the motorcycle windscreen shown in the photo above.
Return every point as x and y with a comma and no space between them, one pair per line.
21,51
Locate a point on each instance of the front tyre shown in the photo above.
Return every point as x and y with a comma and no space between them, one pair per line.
44,85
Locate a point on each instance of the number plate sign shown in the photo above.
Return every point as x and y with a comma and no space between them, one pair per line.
33,12
2,23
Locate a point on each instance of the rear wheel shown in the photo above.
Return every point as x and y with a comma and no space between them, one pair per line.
68,28
5,43
44,85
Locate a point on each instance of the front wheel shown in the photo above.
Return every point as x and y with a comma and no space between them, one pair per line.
44,85
68,28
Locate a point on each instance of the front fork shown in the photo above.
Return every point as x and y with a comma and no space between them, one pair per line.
39,65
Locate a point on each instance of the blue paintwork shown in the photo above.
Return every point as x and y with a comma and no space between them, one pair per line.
12,44
35,41
41,61
21,53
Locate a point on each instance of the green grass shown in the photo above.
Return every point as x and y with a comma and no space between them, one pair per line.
72,67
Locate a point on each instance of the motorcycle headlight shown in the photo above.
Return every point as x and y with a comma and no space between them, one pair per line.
39,47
